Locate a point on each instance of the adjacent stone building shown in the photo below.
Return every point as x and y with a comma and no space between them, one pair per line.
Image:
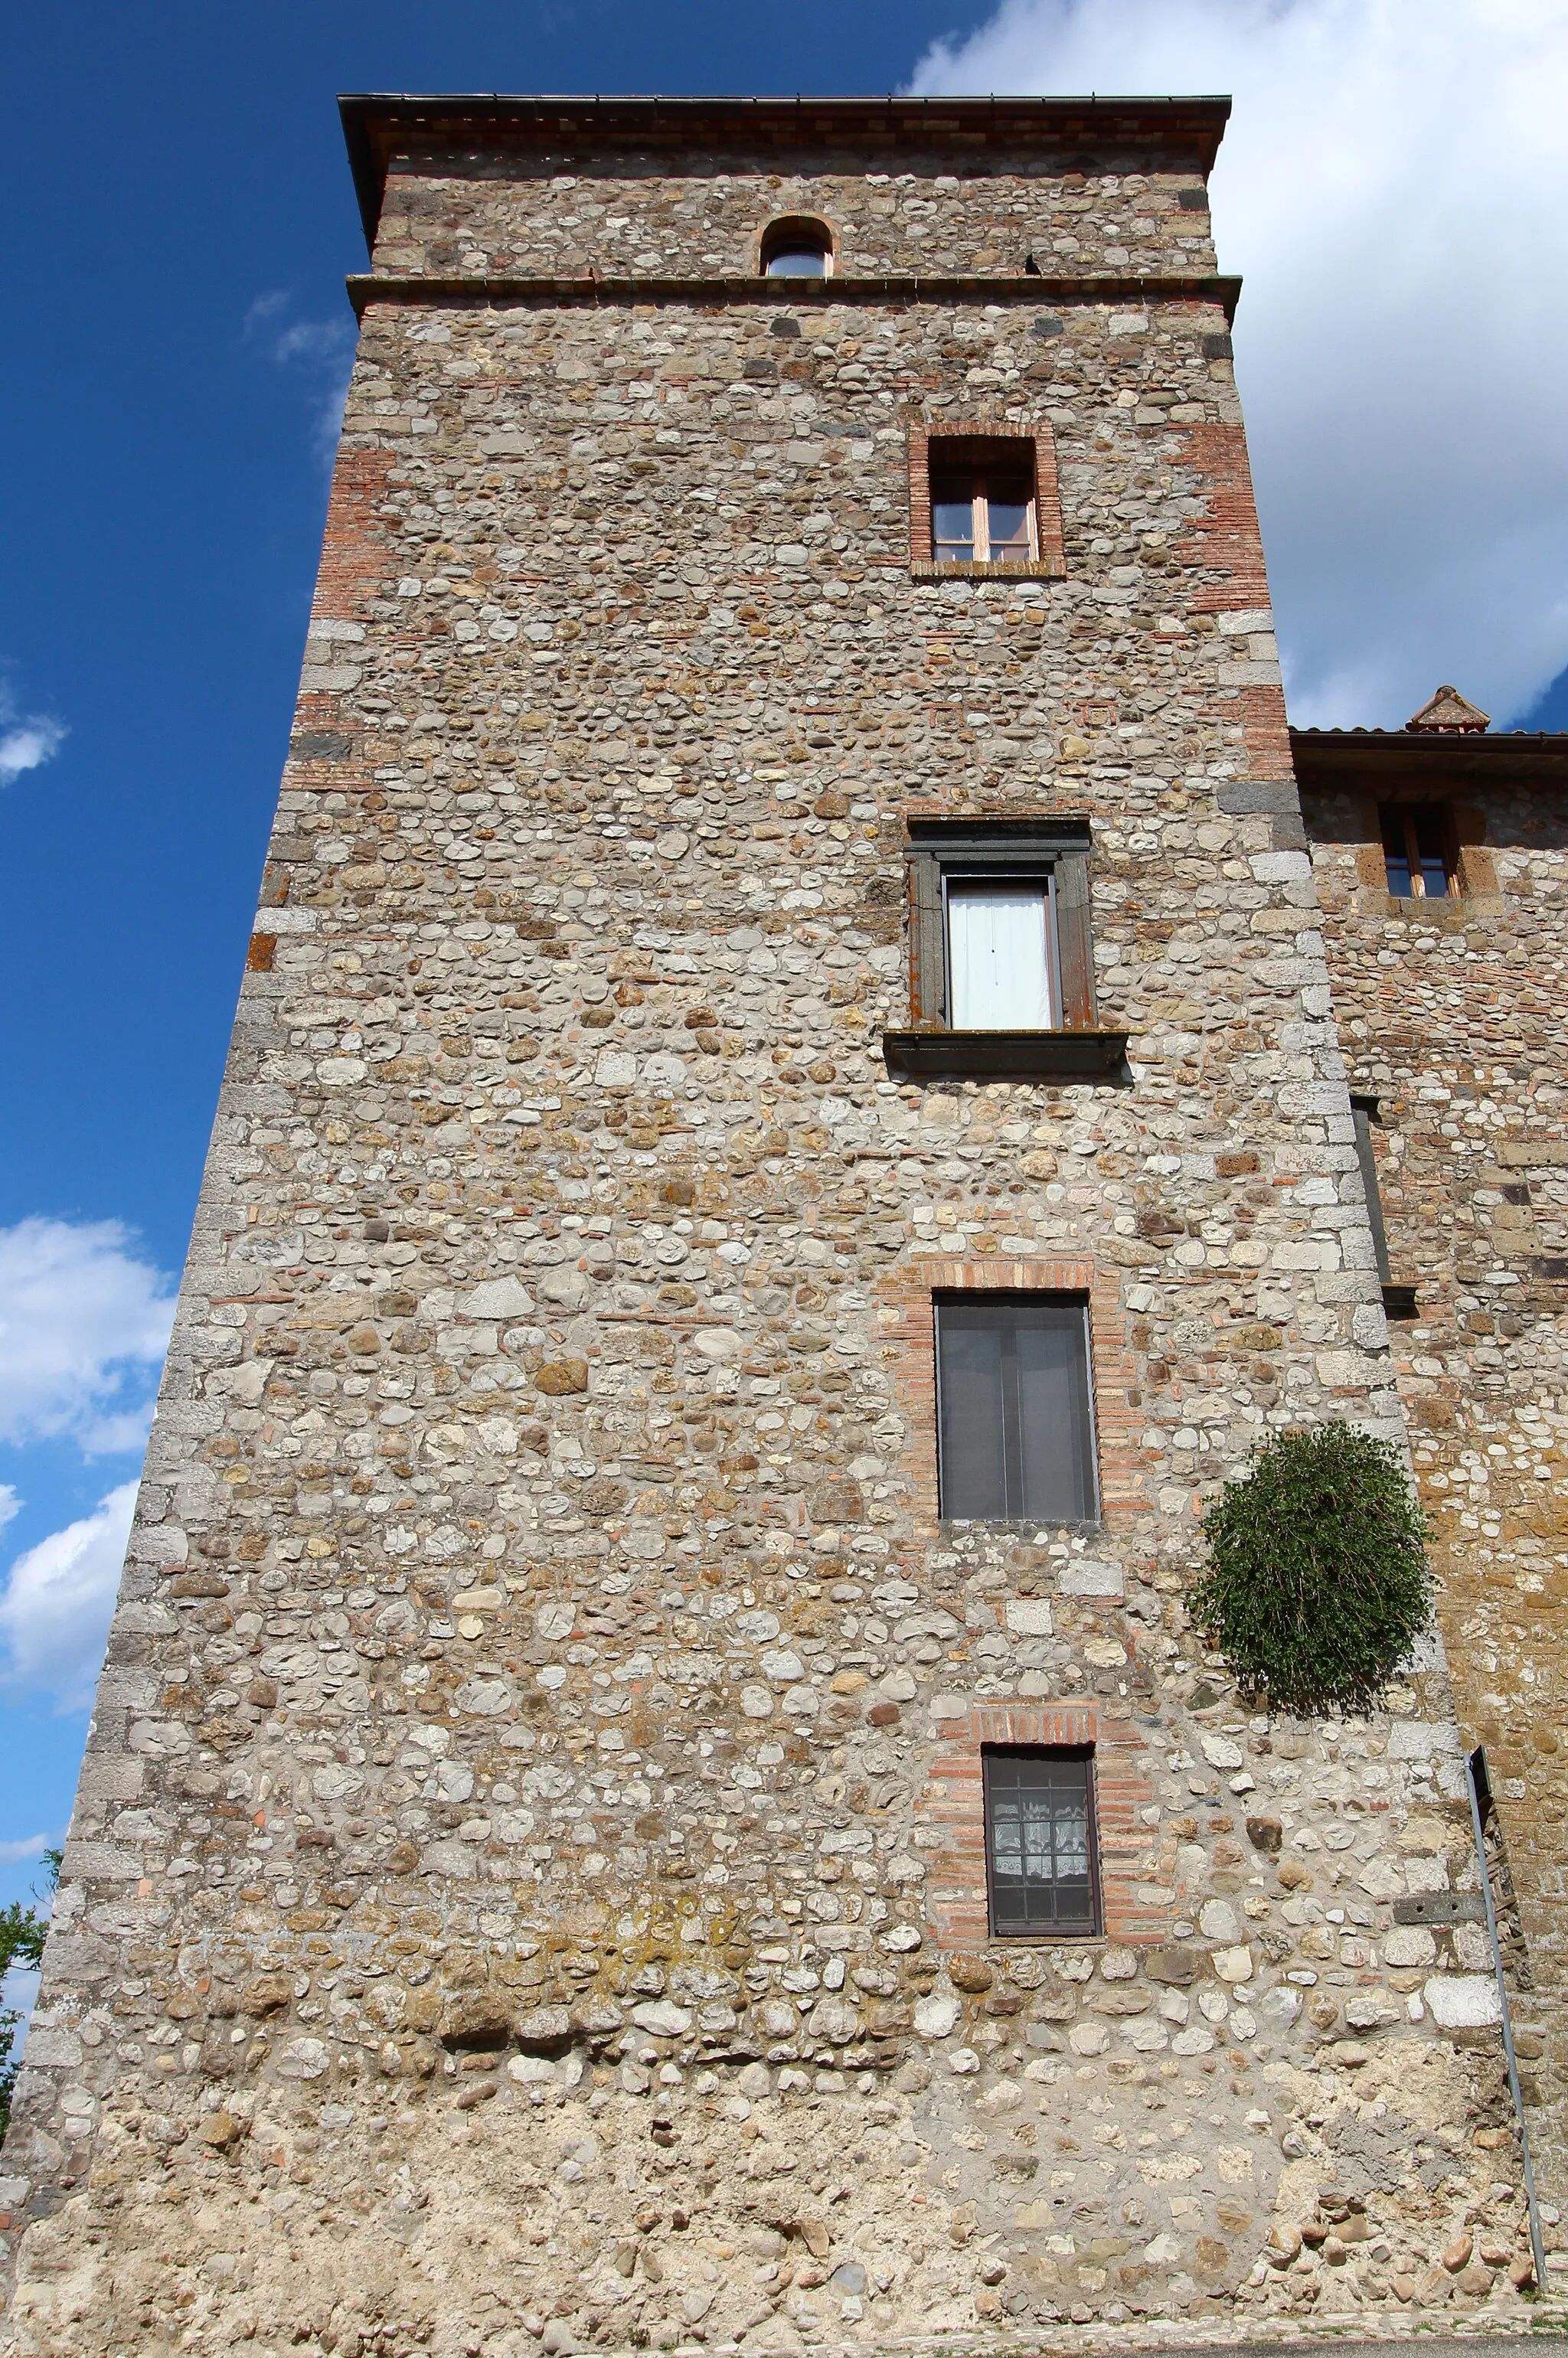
653,1785
1449,1003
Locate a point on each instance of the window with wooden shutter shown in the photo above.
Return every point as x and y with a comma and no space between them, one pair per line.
1001,966
1419,850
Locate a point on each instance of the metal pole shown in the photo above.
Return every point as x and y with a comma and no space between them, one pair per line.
1479,1782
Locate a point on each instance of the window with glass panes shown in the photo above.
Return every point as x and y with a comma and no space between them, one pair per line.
1416,839
982,507
985,497
1015,1411
1041,1865
796,249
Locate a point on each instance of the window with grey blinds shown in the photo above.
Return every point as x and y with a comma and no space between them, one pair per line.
1040,1847
1014,1417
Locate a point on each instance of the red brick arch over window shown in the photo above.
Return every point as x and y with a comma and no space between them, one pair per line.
1136,1906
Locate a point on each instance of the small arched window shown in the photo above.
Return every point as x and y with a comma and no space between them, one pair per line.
797,248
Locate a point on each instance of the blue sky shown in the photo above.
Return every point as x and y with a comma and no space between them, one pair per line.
178,221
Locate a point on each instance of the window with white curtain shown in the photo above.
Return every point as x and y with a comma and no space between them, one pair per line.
1000,962
1041,1864
1001,954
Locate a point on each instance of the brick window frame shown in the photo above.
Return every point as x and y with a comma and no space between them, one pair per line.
1038,443
952,1805
1077,1306
997,1761
906,1318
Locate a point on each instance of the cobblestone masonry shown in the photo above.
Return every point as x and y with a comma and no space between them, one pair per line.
523,1890
1451,1016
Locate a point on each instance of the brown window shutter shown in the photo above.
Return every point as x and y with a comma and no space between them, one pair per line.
927,954
1074,946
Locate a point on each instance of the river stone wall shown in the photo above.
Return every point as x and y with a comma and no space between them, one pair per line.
509,1900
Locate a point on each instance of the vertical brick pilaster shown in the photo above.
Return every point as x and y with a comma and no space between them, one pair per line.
920,495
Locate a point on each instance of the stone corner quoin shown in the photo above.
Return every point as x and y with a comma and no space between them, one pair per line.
528,1883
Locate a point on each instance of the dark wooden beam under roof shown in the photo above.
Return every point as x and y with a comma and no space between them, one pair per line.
1383,762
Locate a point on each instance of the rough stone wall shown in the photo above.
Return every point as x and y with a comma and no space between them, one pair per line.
931,214
524,1822
1450,1013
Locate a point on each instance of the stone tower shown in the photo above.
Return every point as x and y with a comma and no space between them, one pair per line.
784,1128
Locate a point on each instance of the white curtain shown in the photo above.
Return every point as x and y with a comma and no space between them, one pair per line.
999,961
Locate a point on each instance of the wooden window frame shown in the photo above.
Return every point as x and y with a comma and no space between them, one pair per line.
1079,1048
979,444
981,474
1094,1929
1401,817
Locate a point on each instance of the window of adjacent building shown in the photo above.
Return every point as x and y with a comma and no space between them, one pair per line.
982,503
1042,1871
796,249
1000,933
1363,1113
1015,1423
1417,850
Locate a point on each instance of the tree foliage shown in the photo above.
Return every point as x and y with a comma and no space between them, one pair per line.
22,1935
1316,1585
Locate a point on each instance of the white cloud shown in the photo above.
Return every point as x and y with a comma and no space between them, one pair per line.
321,352
12,1854
83,1327
27,739
54,1615
1394,184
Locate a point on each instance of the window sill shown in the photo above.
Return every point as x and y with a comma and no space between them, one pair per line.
1004,1056
1021,1525
988,572
1093,1938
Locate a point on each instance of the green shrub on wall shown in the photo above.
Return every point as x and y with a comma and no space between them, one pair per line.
1317,1583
